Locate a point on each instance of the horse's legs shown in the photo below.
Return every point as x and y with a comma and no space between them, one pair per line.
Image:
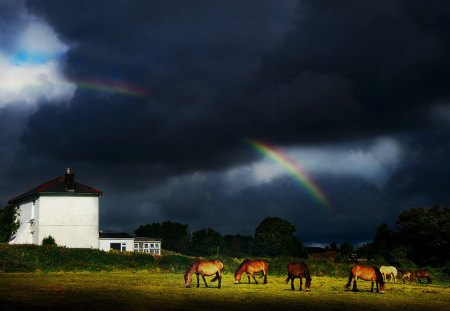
301,282
248,275
198,281
292,282
253,276
219,277
265,277
355,289
204,280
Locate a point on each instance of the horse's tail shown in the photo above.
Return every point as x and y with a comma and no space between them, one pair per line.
289,273
215,278
349,279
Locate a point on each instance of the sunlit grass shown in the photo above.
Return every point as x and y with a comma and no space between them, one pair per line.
130,290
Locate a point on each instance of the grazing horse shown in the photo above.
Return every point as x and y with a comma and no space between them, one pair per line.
367,274
208,268
406,275
251,267
299,270
389,270
421,274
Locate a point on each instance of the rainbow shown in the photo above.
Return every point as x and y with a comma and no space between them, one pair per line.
100,86
300,176
110,87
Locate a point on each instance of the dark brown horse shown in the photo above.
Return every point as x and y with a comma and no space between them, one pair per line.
208,268
299,270
421,274
251,267
372,274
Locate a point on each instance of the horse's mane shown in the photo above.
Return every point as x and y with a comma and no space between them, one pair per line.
246,261
191,268
379,276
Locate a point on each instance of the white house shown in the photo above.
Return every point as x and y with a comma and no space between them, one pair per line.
68,211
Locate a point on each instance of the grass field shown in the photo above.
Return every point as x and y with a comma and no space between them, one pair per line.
142,290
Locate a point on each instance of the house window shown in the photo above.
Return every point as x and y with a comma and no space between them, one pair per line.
115,246
146,247
118,246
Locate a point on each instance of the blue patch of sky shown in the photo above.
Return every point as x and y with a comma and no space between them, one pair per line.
33,58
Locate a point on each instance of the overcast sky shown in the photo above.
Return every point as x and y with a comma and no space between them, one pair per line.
155,102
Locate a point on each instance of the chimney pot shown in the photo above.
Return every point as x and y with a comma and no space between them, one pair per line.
69,180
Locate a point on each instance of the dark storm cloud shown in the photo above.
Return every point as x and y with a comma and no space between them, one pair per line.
189,56
219,72
10,17
427,170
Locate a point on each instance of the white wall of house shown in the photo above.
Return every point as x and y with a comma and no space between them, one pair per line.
104,244
24,234
73,221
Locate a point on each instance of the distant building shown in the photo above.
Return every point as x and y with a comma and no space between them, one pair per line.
68,211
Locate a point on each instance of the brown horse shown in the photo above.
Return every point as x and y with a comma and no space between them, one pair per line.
251,267
208,268
367,274
406,275
421,274
299,270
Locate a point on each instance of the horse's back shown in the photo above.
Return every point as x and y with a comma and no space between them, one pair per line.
365,272
298,268
209,267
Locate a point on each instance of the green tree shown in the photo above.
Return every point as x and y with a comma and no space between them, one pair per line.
207,242
175,236
8,222
238,245
345,252
426,233
274,237
384,241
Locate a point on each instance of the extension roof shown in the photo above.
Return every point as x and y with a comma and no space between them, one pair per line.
55,186
114,235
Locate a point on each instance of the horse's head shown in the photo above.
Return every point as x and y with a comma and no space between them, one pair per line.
187,280
308,284
237,278
382,288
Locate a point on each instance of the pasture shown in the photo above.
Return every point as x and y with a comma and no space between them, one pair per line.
144,290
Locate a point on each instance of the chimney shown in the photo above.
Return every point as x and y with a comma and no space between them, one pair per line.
69,181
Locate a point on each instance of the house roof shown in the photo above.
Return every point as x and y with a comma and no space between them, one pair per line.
114,235
55,186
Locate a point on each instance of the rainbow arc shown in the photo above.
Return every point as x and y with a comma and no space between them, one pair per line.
293,169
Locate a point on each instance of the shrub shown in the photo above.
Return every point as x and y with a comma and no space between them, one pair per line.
49,241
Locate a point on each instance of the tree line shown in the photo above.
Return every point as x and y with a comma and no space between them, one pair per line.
421,236
273,237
